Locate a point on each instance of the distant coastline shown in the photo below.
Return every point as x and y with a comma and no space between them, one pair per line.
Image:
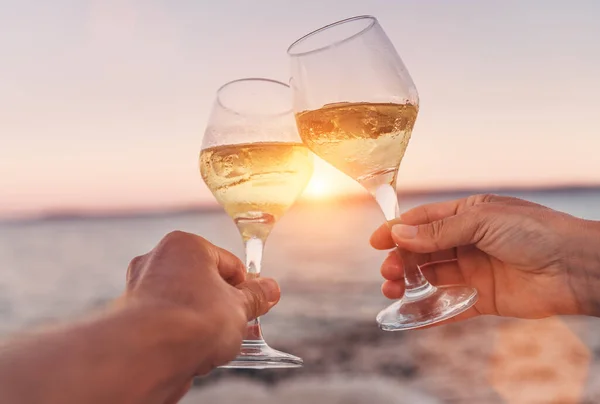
185,209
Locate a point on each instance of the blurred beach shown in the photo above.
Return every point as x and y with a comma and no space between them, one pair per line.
62,267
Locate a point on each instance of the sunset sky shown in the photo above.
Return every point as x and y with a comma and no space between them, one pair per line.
103,103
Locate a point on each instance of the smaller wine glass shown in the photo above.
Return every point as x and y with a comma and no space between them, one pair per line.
255,164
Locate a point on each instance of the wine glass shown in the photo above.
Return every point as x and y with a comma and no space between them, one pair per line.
255,164
355,106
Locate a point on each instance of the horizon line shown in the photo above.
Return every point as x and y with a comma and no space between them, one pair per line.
191,207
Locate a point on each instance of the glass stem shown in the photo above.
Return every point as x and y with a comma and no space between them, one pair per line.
416,285
254,251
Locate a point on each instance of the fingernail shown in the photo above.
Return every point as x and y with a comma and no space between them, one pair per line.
270,288
404,231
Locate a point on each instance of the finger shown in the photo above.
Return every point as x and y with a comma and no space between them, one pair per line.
382,239
466,228
231,268
430,212
440,210
393,289
191,251
439,273
392,268
134,269
258,296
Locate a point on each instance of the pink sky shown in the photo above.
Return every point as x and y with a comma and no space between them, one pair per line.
103,103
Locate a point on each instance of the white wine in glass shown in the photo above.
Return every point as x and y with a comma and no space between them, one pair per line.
363,140
256,182
255,165
357,113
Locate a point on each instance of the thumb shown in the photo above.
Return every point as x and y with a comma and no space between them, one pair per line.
259,295
452,231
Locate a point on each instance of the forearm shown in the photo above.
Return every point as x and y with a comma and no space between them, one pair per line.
128,355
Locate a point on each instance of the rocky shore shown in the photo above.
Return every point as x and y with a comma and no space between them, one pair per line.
484,360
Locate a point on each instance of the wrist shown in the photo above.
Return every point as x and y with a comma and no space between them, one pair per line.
583,265
172,329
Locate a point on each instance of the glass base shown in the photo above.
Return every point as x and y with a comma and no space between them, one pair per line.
429,307
258,355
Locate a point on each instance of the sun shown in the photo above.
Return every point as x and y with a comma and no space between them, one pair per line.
318,188
327,182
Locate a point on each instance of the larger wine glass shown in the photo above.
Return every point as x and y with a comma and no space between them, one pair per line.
255,164
355,106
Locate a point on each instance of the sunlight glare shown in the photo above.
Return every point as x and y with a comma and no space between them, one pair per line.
318,187
327,182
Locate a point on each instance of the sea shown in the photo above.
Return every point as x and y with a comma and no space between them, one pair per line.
60,268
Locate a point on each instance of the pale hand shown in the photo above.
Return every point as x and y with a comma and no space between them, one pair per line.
525,260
